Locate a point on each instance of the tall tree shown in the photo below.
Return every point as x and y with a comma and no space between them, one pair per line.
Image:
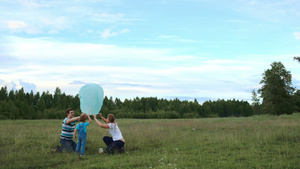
20,95
276,90
254,98
11,95
3,93
57,98
255,102
41,105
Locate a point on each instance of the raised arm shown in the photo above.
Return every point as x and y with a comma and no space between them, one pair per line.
99,123
104,119
90,120
72,119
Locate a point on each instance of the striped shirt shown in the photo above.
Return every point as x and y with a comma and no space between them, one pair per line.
67,132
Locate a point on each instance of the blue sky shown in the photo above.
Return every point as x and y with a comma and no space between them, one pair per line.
204,49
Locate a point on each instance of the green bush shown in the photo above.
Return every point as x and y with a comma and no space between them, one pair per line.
191,115
2,117
168,115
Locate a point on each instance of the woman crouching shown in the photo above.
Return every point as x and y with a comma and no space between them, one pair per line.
116,142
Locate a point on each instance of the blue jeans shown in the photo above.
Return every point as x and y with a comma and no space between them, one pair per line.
67,145
113,146
81,141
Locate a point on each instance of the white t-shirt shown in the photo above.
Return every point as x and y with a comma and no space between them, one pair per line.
115,131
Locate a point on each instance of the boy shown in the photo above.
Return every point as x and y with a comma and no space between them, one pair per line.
81,128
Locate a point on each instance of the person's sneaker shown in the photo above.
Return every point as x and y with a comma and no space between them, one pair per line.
55,150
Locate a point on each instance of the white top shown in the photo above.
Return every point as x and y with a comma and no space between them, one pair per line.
115,131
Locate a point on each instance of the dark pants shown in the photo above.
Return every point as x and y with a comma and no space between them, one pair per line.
67,146
113,146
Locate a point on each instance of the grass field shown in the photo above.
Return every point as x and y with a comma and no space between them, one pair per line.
252,142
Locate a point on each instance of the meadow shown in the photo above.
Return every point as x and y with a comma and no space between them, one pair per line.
248,142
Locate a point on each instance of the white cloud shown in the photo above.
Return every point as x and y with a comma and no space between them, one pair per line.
15,25
124,31
32,3
178,39
35,17
9,84
57,22
48,64
168,36
107,33
252,2
297,35
37,26
237,21
105,17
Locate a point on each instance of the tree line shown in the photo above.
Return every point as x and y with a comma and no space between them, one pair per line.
277,94
20,105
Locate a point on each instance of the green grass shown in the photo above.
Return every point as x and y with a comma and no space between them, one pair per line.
252,142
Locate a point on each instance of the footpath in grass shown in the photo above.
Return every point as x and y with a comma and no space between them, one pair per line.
252,142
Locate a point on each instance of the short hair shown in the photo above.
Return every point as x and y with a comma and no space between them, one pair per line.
83,117
68,111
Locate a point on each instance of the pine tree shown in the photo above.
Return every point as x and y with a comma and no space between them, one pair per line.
3,93
255,103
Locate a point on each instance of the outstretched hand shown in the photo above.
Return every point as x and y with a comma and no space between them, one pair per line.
94,116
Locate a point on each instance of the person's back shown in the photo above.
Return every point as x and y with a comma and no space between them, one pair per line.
81,132
81,129
114,131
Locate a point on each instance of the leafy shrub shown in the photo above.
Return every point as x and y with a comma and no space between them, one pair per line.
190,115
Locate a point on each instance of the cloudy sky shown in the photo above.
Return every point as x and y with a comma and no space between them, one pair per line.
204,49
